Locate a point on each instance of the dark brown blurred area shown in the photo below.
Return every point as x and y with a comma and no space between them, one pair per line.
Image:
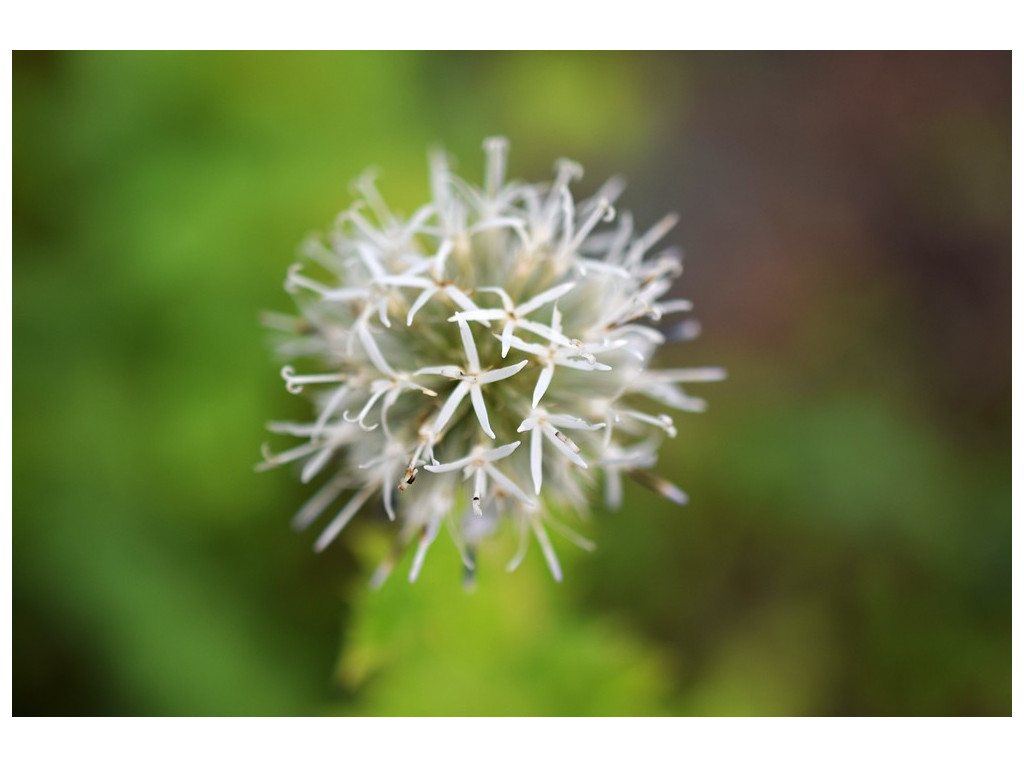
848,228
827,182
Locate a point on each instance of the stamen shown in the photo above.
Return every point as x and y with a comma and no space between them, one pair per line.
479,488
572,446
408,479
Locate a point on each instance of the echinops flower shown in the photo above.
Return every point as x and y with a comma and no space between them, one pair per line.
493,348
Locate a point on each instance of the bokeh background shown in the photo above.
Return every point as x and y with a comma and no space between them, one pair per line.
846,550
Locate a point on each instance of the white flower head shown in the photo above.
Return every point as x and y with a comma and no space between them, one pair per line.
443,340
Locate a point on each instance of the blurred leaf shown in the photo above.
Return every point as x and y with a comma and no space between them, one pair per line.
512,647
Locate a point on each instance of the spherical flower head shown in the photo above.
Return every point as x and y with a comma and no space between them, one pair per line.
484,360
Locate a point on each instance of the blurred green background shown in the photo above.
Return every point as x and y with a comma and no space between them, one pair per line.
847,545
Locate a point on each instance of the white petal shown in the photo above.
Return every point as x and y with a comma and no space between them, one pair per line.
545,545
548,333
502,480
345,294
564,445
329,409
580,541
462,300
479,491
426,539
404,281
675,305
602,210
612,488
506,334
449,407
514,224
346,514
481,409
506,300
556,320
536,459
593,265
679,375
317,504
524,542
372,350
451,466
417,305
451,371
528,423
388,492
495,454
546,297
581,365
470,346
315,464
524,346
478,314
543,381
272,460
661,421
566,421
651,236
501,373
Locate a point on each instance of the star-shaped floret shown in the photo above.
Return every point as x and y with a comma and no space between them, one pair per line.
515,315
543,425
575,354
470,382
480,466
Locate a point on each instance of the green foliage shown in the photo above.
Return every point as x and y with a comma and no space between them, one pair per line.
511,646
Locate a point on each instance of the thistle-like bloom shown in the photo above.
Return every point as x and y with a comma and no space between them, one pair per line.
512,297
